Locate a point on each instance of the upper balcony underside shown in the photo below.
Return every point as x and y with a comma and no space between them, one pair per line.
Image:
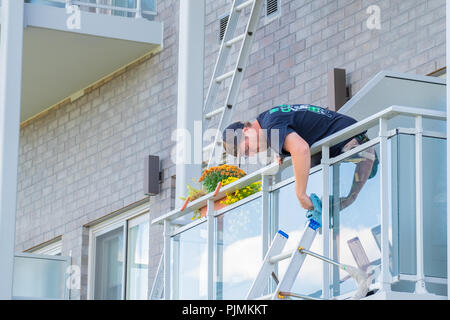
60,61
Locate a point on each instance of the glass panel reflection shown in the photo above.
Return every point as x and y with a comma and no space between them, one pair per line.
238,250
435,207
36,277
404,201
190,264
355,207
290,217
137,261
109,264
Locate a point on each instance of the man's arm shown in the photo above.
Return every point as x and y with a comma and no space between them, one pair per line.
301,161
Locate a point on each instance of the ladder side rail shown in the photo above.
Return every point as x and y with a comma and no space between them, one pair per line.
224,52
295,263
244,54
260,282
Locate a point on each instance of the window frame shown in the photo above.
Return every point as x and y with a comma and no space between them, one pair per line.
122,220
52,248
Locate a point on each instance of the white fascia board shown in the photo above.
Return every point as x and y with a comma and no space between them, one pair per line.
377,94
103,25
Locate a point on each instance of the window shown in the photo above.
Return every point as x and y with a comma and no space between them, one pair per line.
118,259
51,248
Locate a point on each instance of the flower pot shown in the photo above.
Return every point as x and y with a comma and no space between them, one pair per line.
217,206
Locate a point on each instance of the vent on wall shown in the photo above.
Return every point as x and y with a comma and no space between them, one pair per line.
223,26
272,7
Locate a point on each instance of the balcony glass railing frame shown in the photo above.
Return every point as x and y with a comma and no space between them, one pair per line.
267,173
137,11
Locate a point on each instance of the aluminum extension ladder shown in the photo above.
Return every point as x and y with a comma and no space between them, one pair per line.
297,258
210,110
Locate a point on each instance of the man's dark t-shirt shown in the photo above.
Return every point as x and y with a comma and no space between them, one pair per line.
310,122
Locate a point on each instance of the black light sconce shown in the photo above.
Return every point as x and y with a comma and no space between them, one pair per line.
152,175
338,92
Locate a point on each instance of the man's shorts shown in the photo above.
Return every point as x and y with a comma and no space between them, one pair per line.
339,148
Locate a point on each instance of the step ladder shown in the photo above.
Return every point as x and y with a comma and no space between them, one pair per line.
275,255
296,260
225,111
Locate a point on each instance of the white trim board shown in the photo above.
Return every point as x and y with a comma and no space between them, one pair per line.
393,88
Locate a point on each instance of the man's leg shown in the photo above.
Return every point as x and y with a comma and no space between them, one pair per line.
361,175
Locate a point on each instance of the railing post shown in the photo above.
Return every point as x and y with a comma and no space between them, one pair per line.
265,202
265,210
167,253
326,219
335,226
420,284
210,246
138,9
384,205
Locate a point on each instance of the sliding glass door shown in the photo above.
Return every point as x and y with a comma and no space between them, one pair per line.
120,260
109,265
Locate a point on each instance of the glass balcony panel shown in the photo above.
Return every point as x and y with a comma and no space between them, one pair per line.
289,216
238,250
401,121
190,264
355,220
404,201
434,125
435,207
39,277
52,3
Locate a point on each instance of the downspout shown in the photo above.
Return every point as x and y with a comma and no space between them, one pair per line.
190,95
11,43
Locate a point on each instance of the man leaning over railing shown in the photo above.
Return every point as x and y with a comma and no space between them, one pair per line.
298,127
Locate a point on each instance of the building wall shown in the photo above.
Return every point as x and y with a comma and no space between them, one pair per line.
84,160
292,54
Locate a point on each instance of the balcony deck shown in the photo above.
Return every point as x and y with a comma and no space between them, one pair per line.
59,61
395,230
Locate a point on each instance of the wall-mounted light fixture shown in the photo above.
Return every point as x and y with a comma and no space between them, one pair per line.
152,175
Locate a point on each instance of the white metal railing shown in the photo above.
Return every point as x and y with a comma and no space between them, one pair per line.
381,120
102,7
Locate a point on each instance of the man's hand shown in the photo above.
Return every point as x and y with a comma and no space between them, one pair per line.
279,160
305,201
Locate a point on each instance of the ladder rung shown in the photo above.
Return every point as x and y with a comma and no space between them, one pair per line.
214,112
219,79
229,43
244,5
280,257
266,297
210,146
